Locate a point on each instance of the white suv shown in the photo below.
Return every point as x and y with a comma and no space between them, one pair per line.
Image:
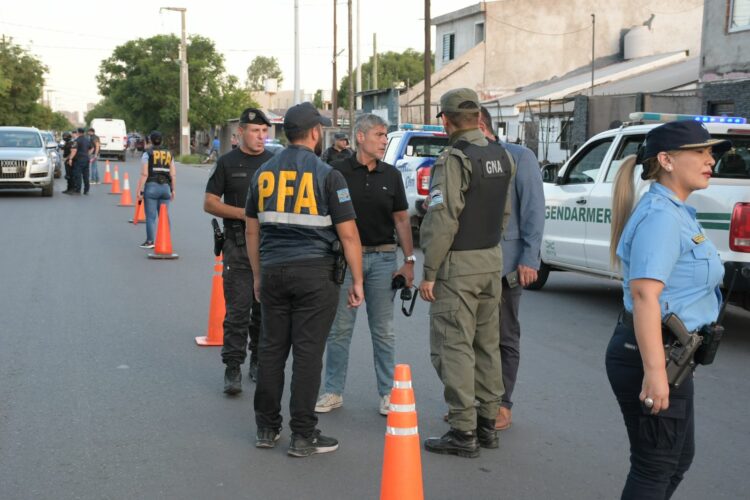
25,162
578,203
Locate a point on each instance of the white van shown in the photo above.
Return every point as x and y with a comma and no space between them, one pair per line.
112,135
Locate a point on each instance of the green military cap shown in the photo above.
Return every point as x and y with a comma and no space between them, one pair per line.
459,101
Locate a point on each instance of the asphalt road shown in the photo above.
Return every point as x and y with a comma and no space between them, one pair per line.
104,394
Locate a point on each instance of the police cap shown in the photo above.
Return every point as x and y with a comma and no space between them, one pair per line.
340,136
155,135
303,116
677,135
459,101
255,116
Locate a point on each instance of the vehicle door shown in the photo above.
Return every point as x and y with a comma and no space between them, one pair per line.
598,213
565,205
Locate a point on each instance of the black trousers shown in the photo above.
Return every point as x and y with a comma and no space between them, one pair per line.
299,303
661,446
242,319
510,340
81,173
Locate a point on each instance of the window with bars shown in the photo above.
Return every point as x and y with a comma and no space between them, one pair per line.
739,15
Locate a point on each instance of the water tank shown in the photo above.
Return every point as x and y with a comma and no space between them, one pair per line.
326,94
271,85
638,43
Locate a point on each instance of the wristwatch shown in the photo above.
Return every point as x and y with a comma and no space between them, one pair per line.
410,259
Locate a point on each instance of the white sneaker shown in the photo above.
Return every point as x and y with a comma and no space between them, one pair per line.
328,402
385,403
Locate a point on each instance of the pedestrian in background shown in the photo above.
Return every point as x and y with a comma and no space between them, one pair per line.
460,234
94,156
339,150
379,199
156,184
299,213
230,180
668,266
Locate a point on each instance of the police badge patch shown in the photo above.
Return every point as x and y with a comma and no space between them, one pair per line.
436,198
343,195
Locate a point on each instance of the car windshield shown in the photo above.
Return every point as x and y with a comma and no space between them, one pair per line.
19,139
735,163
426,146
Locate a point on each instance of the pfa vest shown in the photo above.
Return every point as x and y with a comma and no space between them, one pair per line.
159,161
480,223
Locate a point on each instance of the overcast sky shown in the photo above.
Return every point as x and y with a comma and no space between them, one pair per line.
72,38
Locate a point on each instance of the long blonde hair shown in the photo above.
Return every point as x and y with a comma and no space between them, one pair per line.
623,197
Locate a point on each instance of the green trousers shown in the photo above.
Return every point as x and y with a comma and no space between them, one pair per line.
465,346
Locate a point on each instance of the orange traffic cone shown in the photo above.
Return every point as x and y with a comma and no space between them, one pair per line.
126,199
163,244
116,183
402,462
107,174
216,310
139,215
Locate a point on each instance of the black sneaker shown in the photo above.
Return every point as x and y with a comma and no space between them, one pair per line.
252,373
147,244
266,438
486,433
454,442
302,446
232,380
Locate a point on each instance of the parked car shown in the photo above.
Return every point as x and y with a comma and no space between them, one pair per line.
54,153
24,160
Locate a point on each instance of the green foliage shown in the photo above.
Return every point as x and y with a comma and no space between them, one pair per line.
260,69
141,84
21,81
103,109
393,68
194,159
318,99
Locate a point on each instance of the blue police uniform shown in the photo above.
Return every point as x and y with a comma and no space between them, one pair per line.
298,200
663,241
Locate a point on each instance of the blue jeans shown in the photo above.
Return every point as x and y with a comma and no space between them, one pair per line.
378,269
154,194
94,171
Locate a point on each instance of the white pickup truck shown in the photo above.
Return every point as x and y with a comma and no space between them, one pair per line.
578,203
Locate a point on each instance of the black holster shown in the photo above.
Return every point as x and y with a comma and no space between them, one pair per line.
712,335
218,238
339,262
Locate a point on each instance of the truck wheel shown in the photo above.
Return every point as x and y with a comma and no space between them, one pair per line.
49,189
541,279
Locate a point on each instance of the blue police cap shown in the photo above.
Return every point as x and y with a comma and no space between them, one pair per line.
677,135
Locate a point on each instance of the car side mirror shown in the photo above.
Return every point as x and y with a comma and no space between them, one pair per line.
549,173
51,145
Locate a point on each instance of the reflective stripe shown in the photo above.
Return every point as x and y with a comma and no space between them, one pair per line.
161,169
298,219
399,431
397,384
402,408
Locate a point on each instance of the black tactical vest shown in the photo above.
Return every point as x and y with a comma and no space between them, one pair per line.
159,161
480,223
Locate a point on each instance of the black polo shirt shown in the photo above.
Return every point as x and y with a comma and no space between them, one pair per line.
375,195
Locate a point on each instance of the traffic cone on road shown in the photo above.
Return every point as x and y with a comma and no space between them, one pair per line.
163,244
107,174
402,462
116,183
139,215
216,310
126,199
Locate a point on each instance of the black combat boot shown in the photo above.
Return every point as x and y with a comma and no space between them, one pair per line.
454,442
232,379
486,433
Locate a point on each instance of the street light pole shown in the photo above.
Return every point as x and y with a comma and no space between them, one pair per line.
184,95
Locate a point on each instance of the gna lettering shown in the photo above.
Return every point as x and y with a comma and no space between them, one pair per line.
579,214
302,194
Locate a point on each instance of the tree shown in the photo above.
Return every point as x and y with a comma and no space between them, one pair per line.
318,99
261,69
141,83
103,109
393,67
21,81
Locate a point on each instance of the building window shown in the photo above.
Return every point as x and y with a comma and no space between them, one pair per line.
449,46
721,108
478,33
566,129
739,15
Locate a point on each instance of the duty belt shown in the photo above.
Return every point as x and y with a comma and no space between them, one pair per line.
389,247
626,320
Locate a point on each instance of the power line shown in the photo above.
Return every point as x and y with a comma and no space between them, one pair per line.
525,30
60,31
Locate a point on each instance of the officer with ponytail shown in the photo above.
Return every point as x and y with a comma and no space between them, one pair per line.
156,184
669,267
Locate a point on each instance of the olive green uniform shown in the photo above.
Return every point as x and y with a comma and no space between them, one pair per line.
464,319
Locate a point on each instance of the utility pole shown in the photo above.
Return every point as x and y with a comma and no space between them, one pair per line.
184,95
374,60
334,93
297,98
351,79
359,66
593,42
427,64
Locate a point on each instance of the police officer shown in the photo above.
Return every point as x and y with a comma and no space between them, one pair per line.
67,146
79,160
339,150
299,211
668,266
231,180
156,184
460,238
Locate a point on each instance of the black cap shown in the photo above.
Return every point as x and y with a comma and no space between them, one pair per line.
338,136
80,130
303,116
155,134
683,134
254,115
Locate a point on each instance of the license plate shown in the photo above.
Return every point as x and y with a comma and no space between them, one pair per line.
10,170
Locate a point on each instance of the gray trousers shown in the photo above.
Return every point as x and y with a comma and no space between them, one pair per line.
510,340
242,319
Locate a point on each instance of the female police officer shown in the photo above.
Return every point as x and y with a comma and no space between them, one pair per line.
669,266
